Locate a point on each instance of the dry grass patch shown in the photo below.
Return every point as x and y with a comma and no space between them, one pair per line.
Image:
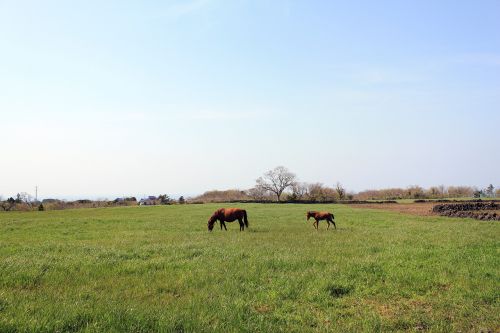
421,209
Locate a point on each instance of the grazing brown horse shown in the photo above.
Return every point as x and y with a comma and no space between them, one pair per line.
318,216
228,215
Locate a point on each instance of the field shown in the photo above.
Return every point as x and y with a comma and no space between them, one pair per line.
142,269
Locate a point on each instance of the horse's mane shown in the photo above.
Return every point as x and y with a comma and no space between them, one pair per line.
215,215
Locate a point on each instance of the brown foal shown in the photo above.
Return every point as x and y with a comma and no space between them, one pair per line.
318,216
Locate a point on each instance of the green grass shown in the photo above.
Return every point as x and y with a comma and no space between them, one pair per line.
141,269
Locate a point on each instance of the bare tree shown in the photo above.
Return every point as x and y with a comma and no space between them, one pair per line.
257,193
8,204
25,197
299,190
442,191
460,191
415,192
315,192
490,191
340,191
276,181
434,192
164,199
319,192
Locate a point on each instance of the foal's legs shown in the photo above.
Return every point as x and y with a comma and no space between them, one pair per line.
242,225
331,220
223,224
316,224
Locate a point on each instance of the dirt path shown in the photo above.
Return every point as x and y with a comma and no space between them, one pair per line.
422,209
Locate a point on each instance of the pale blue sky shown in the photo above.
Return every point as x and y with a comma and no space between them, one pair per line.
108,98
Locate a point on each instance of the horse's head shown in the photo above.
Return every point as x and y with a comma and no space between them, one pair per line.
309,215
211,222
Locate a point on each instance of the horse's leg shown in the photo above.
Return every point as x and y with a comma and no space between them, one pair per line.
317,224
242,225
328,222
224,224
333,223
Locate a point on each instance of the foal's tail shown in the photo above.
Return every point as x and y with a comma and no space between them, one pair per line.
245,219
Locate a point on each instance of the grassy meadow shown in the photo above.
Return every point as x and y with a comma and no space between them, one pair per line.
143,269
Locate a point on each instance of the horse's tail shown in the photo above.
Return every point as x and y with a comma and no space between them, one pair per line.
245,219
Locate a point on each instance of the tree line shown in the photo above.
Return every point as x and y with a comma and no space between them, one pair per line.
25,202
278,184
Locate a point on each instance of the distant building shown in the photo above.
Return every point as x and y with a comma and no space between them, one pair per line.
149,201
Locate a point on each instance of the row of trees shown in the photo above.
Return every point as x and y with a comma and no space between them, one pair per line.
280,184
164,199
25,202
434,192
300,191
281,181
22,199
488,192
223,196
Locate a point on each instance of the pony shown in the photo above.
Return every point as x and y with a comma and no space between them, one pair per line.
228,215
318,216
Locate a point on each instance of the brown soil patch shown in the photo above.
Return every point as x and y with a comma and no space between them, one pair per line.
422,209
395,308
263,308
487,210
